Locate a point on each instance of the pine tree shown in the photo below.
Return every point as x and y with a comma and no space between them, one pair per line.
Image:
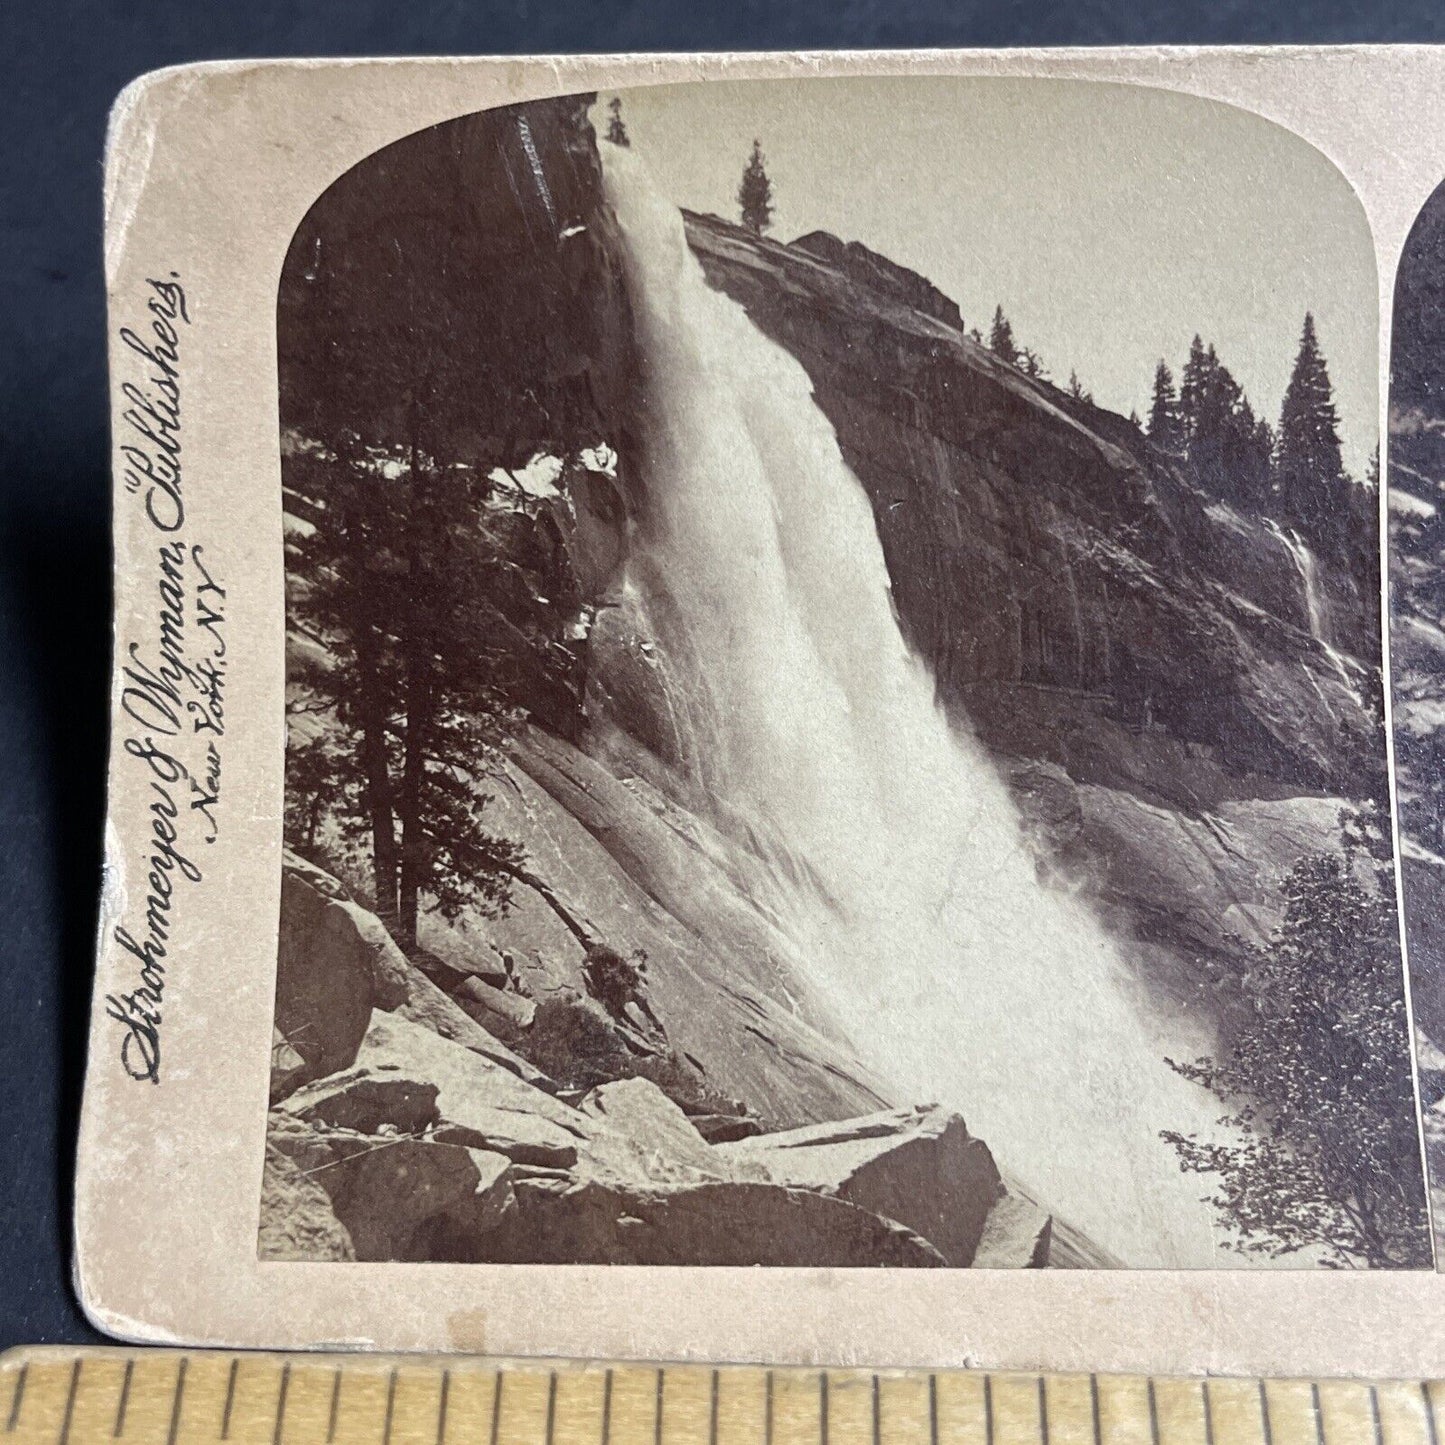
399,580
616,130
1192,382
1247,456
755,193
1227,449
439,613
1311,474
1001,338
1321,1150
1165,426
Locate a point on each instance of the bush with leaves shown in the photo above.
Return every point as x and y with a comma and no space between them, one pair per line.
1321,1151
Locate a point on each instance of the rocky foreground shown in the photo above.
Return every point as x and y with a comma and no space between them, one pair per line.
403,1129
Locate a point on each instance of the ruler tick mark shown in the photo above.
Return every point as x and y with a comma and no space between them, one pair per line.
877,1414
768,1411
1208,1412
551,1405
1264,1414
497,1406
70,1401
1153,1413
390,1407
657,1410
933,1410
230,1400
1429,1413
1318,1414
335,1403
1375,1420
176,1403
606,1407
17,1399
281,1404
442,1407
1043,1412
823,1406
120,1409
988,1409
712,1412
1094,1409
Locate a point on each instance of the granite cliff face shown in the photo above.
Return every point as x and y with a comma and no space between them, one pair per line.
1180,695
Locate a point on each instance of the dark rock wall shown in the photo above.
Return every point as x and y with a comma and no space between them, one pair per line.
1040,548
460,291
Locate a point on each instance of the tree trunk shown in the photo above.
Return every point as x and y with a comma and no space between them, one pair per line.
420,700
371,716
422,540
578,927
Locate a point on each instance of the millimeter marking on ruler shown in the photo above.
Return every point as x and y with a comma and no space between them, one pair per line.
335,1405
281,1405
164,1397
180,1392
119,1429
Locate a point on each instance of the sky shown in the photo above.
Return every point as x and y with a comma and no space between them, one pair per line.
1112,222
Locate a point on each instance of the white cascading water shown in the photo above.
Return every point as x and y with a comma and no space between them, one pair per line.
1308,570
959,976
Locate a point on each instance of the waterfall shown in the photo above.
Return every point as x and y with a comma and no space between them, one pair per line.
956,974
1308,569
1304,564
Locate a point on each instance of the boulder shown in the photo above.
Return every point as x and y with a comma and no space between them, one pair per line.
335,963
288,1068
480,1104
920,1167
428,1150
725,1128
297,1220
385,1191
710,1224
385,1187
427,1005
366,1100
1016,1235
522,1146
646,1136
506,1015
306,1144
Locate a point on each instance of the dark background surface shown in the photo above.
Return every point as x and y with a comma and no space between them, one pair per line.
69,60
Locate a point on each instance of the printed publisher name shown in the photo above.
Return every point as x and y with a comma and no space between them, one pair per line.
173,680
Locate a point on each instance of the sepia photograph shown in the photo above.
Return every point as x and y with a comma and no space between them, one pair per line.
1416,455
835,706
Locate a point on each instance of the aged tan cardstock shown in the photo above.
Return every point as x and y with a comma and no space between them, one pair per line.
713,758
